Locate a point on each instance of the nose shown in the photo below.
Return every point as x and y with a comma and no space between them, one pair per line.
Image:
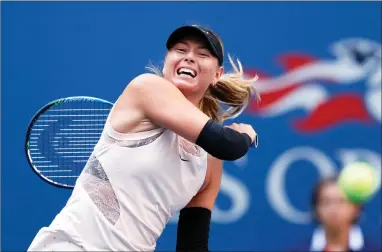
190,57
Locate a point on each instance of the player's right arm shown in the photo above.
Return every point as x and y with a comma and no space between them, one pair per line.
162,103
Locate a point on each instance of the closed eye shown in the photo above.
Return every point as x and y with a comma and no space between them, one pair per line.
181,50
204,54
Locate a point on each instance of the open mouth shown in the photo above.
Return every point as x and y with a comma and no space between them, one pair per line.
186,71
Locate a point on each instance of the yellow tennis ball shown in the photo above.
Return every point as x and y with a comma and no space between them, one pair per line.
358,181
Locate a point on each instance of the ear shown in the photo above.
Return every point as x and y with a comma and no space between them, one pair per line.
218,75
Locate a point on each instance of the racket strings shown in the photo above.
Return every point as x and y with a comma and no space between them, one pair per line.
64,136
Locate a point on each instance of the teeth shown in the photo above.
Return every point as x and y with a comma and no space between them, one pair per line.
186,70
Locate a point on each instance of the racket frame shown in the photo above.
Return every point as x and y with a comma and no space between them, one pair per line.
29,131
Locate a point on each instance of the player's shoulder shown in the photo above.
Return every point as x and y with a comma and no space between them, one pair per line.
147,77
149,85
146,81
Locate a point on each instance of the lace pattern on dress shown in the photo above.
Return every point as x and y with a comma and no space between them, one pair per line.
96,182
97,185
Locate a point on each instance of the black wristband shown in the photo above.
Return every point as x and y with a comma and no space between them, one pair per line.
248,138
193,229
223,143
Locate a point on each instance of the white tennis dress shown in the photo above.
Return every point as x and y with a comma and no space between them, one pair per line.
129,189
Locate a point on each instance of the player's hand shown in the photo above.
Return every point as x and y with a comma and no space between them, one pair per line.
245,128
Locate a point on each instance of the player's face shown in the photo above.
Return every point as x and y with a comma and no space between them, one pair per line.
191,67
334,210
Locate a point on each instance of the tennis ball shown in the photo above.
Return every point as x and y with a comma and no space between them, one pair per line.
358,181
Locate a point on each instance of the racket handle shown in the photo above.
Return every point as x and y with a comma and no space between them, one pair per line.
255,142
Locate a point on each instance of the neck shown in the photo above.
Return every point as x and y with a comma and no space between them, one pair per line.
338,237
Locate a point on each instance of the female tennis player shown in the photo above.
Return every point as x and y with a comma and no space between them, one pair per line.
151,160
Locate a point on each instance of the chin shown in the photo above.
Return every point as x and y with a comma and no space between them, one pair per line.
335,224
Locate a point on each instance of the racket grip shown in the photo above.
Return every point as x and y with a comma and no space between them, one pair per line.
255,142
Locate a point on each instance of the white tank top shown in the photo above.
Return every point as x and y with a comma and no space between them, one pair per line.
129,189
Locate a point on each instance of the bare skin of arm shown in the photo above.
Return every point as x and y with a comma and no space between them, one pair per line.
150,97
207,195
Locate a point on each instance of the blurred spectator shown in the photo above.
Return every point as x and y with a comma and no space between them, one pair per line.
337,220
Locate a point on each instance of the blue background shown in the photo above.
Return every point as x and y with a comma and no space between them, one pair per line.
59,49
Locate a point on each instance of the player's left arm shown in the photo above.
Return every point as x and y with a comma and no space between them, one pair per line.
194,219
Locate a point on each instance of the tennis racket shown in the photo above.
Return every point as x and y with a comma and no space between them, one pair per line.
62,135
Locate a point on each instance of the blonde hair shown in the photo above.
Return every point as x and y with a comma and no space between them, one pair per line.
232,90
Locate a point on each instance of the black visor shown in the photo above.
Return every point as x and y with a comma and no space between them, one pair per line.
211,39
